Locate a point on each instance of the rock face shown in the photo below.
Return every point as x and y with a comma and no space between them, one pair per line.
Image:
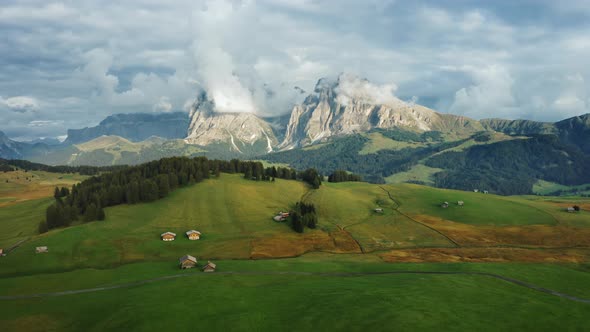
135,127
9,149
242,132
327,113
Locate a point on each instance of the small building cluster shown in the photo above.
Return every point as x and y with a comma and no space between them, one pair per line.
191,235
281,216
189,262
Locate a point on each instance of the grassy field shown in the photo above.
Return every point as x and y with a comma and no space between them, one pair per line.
235,217
20,186
479,209
378,142
293,302
418,172
545,187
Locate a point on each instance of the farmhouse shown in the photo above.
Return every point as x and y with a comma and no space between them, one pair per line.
41,249
210,267
168,236
445,205
187,262
460,203
281,216
193,235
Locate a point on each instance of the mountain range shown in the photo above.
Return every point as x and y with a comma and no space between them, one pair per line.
384,139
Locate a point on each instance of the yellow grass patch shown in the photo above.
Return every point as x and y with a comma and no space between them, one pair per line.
486,255
531,235
294,244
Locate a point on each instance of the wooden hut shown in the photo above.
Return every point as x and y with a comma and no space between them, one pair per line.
42,249
187,262
210,267
168,236
193,235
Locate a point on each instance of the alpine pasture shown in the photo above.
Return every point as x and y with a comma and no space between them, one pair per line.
270,277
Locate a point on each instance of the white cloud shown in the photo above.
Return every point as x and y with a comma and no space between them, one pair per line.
352,87
163,105
84,60
20,104
490,95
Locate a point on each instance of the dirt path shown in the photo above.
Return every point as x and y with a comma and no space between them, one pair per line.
295,273
396,208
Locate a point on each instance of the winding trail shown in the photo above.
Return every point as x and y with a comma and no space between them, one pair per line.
295,273
416,221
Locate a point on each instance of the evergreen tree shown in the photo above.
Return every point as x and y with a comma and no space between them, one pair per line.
100,215
91,213
43,227
163,186
64,192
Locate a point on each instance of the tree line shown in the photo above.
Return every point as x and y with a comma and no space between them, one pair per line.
7,165
343,176
255,170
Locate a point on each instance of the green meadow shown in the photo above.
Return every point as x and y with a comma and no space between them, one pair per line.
235,218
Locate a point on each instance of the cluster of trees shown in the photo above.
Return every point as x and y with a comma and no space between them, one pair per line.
255,170
343,176
303,216
11,165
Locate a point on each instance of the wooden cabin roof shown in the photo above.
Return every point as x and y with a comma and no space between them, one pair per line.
168,233
192,231
188,258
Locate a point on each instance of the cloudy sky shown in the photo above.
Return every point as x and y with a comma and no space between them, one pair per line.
69,64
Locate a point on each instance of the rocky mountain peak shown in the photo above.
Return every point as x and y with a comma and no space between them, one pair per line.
350,104
242,132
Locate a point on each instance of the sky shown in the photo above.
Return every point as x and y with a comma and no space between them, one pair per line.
70,64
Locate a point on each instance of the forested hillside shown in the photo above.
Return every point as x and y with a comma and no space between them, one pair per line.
512,167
